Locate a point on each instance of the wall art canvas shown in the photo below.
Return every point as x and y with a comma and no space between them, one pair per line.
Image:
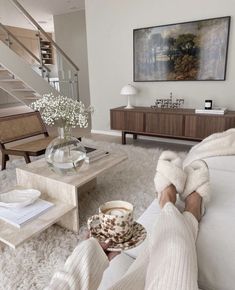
190,51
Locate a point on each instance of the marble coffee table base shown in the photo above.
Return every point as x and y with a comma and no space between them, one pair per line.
66,193
65,189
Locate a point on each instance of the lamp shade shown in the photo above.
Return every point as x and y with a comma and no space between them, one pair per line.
128,90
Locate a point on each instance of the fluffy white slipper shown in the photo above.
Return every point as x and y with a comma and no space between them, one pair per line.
169,171
197,180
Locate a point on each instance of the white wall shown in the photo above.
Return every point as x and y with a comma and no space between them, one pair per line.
70,34
110,25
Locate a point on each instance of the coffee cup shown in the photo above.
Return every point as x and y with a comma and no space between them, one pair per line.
116,220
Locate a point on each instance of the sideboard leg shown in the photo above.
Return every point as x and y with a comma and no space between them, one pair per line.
123,138
134,136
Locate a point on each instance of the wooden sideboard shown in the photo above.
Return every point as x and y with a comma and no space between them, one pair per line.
170,123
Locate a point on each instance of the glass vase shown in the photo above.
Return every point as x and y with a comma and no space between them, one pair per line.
65,154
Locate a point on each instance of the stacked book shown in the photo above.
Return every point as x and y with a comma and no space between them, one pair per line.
215,111
94,154
20,216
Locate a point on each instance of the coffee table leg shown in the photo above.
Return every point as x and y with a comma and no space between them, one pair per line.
70,221
89,186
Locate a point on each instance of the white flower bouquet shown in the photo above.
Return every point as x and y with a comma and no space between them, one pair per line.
62,111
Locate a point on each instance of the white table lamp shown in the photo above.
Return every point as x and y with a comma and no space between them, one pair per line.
128,91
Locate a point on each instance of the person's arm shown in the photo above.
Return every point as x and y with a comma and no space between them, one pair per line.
83,270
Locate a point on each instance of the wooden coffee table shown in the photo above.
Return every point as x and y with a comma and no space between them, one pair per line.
63,191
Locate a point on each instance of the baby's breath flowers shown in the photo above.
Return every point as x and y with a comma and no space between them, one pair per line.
62,111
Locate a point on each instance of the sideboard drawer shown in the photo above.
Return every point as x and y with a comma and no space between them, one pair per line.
134,121
165,124
127,120
200,127
117,120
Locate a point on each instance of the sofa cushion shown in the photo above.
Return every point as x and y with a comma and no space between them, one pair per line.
216,238
117,268
224,163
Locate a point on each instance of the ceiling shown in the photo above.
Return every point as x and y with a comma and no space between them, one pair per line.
41,10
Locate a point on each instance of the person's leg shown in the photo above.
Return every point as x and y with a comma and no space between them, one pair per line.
134,279
173,260
169,258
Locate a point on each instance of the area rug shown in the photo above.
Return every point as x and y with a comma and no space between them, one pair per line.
32,265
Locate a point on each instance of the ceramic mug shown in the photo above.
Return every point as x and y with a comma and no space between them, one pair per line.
116,220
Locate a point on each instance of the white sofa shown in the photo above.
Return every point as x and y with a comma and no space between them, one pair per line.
216,239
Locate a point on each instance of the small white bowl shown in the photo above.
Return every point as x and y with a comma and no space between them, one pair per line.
18,198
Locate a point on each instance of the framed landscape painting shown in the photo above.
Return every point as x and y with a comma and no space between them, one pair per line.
189,51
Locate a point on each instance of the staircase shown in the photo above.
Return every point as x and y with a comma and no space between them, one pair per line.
27,80
18,78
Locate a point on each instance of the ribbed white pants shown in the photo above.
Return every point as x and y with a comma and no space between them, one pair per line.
168,262
173,258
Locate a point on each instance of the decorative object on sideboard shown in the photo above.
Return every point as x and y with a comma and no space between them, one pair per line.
189,51
65,154
208,104
213,111
168,103
128,91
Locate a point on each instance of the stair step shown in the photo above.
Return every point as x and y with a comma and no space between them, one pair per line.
31,98
3,69
23,90
10,80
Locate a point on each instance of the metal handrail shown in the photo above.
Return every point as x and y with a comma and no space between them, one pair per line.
21,8
23,46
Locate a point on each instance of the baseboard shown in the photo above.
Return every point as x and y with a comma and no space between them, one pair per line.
157,139
111,133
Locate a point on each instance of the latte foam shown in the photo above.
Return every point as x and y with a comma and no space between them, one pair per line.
117,211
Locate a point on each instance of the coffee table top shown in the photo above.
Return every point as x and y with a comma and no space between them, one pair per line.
86,173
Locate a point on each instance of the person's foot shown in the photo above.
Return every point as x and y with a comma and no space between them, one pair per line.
193,204
197,187
169,173
168,195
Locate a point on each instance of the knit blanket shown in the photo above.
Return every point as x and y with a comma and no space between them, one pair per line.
218,144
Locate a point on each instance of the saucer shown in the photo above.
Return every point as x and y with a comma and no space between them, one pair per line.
138,236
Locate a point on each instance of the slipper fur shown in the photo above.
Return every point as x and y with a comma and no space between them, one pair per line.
197,180
169,171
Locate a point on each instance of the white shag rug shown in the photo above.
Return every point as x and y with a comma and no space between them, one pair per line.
32,265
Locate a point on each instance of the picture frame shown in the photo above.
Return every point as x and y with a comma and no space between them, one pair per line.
188,51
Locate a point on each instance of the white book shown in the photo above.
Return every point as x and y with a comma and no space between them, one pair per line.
95,157
217,111
19,216
94,154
